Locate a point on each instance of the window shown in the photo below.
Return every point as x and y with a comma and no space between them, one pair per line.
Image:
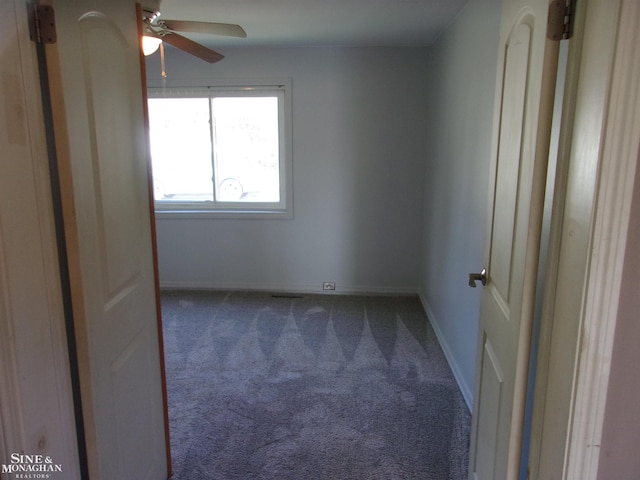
220,151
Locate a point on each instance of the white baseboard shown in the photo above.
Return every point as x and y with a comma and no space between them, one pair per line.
467,392
299,288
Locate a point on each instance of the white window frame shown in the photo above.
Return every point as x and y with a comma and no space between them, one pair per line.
244,210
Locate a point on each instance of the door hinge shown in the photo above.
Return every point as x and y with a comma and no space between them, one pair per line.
560,19
42,25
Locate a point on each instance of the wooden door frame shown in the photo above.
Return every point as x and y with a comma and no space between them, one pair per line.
36,404
154,249
17,360
597,161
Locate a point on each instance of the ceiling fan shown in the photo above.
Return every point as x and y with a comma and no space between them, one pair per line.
166,30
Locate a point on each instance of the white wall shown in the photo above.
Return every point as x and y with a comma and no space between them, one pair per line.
390,152
462,81
358,162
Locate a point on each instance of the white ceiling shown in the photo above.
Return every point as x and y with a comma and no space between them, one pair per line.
276,23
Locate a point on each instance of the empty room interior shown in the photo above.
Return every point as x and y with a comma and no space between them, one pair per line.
390,149
390,158
263,254
387,191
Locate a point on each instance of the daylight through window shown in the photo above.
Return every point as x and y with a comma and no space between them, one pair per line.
218,150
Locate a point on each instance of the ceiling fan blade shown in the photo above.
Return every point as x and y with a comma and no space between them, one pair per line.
226,29
189,46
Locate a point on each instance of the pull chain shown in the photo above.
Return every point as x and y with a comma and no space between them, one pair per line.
163,74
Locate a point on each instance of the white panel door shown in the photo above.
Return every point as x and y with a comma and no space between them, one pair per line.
94,72
524,95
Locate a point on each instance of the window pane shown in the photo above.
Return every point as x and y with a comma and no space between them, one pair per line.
246,149
180,137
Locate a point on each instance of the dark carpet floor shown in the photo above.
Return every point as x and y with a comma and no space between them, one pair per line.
309,387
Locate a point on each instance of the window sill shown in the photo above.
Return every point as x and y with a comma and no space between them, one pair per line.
186,214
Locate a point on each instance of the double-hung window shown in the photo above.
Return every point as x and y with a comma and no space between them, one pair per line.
221,151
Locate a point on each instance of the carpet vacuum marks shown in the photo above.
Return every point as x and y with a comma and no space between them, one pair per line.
277,387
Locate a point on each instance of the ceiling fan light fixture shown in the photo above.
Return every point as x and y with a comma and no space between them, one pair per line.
150,44
156,32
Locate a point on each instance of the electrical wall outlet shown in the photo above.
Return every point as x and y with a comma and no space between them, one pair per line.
329,286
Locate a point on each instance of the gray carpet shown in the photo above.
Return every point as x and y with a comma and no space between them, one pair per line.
309,387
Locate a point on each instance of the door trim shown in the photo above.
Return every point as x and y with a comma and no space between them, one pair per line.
618,164
34,360
598,153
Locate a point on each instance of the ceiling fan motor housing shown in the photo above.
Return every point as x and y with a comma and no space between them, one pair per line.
151,10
